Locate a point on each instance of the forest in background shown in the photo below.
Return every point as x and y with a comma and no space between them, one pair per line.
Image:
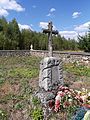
12,38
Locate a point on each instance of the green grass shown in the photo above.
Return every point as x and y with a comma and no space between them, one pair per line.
37,114
23,72
79,70
16,89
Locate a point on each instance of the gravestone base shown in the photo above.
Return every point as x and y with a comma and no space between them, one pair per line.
47,98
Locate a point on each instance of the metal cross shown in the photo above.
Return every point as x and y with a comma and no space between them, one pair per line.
50,31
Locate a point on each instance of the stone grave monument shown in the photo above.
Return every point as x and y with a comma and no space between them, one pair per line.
51,76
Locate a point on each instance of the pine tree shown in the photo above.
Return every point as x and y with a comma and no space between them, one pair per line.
84,42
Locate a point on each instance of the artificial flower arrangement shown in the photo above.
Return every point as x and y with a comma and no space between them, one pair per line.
68,97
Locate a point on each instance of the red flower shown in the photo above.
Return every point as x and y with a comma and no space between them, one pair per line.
57,105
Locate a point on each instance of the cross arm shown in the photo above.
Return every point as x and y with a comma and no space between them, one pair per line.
46,31
55,32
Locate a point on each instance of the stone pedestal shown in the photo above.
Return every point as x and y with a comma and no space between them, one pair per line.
51,75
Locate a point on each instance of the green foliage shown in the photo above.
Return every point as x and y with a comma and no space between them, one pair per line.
27,37
37,114
3,115
11,37
84,42
14,34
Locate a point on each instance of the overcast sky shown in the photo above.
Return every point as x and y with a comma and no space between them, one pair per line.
70,17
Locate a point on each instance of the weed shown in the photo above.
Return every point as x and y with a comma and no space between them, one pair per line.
19,106
35,101
37,114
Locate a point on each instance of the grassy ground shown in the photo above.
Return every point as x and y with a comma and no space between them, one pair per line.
18,80
77,75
